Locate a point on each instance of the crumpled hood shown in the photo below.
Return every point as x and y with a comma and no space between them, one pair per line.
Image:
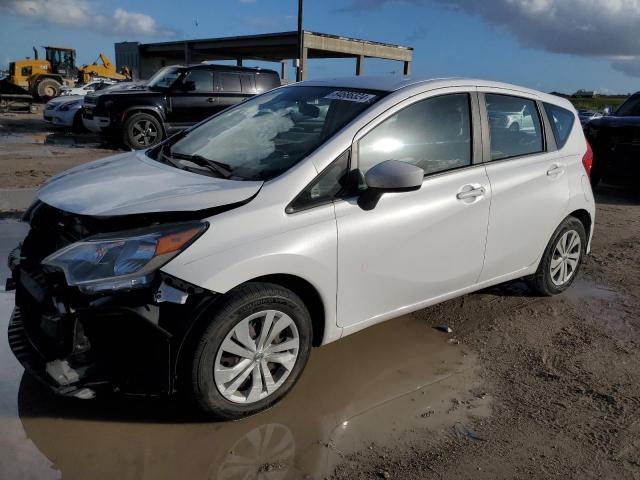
133,183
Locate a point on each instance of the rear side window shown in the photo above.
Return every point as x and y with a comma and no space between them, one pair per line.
433,134
561,122
266,81
514,126
230,82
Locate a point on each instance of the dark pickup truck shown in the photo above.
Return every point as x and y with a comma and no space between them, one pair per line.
615,140
175,98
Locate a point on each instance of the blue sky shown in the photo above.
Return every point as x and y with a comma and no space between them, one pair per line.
533,45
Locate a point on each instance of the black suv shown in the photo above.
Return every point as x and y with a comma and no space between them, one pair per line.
175,98
615,140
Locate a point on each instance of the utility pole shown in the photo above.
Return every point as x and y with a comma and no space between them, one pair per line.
300,43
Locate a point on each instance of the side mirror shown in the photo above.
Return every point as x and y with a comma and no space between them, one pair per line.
389,176
607,111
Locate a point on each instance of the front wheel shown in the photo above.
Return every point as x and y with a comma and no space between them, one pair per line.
142,130
562,258
252,352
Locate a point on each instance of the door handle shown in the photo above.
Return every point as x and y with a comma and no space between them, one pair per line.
474,192
555,170
211,99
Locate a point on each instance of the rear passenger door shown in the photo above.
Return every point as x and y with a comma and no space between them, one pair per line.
529,185
229,88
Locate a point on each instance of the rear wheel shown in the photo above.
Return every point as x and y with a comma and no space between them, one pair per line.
142,130
48,88
252,352
562,258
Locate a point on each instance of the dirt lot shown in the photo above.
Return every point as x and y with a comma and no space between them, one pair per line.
524,387
564,374
31,150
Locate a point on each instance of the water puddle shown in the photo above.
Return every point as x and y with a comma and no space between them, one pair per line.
370,387
65,139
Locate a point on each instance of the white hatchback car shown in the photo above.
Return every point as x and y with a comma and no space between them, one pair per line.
212,263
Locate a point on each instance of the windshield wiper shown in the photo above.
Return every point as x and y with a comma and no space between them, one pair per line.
220,168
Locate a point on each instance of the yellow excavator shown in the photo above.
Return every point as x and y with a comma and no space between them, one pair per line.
43,78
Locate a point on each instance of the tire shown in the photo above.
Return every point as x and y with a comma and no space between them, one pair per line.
78,126
142,130
48,88
548,283
229,386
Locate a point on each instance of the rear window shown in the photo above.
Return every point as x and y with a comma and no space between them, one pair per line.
561,121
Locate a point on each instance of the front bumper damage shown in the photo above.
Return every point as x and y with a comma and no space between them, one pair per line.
79,344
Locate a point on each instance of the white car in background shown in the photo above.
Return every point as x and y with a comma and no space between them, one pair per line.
65,112
89,87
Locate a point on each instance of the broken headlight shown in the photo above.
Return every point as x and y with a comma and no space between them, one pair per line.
125,260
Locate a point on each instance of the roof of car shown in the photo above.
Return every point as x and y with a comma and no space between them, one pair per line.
392,83
231,68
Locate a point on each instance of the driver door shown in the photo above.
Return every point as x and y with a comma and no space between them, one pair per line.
192,99
415,247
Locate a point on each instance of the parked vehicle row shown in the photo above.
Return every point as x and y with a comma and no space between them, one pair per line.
211,263
66,109
175,98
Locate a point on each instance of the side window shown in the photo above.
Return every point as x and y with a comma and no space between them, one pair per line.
229,82
514,126
25,71
433,134
202,80
266,81
327,186
246,82
561,122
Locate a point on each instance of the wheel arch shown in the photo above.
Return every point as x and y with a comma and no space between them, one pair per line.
585,218
309,296
148,109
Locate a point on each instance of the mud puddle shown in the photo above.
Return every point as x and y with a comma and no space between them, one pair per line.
368,388
64,139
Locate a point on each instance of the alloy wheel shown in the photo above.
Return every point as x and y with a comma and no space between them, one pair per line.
144,132
256,356
565,258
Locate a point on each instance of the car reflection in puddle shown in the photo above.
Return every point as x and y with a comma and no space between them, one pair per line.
395,378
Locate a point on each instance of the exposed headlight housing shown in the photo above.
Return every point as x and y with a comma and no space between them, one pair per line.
124,260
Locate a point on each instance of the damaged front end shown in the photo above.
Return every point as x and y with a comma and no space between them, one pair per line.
93,311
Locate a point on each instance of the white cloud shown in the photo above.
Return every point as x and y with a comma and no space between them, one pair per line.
597,28
83,14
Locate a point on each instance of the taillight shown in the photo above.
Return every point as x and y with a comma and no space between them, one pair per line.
587,159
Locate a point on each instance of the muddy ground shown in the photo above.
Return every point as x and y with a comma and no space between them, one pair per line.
32,150
524,387
563,372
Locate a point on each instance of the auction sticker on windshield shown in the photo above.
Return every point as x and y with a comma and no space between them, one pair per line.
360,97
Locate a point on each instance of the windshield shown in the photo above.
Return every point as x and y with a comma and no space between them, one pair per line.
164,78
630,108
265,136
